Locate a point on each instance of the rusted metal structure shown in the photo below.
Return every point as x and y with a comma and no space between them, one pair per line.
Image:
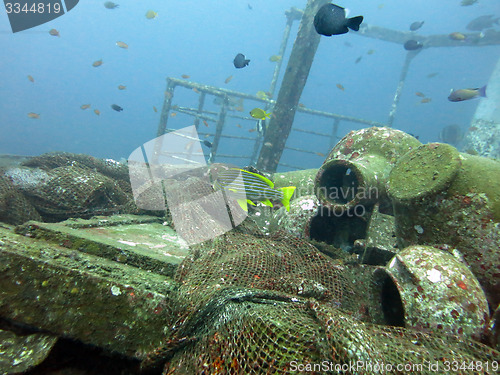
269,141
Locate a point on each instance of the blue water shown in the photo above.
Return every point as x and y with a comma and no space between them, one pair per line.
200,38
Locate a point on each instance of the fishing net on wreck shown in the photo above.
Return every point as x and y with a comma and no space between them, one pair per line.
255,304
57,186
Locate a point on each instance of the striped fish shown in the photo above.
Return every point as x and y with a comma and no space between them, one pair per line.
248,187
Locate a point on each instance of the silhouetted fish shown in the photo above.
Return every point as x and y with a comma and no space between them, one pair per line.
412,45
110,5
416,25
240,61
331,20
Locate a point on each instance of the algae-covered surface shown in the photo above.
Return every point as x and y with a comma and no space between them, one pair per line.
96,300
142,241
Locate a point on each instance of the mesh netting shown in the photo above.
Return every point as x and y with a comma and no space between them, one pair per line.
58,186
254,304
14,207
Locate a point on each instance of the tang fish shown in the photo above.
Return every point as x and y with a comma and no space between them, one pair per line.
54,32
467,94
151,14
97,63
122,45
110,5
331,20
33,115
259,113
116,107
240,61
249,187
457,36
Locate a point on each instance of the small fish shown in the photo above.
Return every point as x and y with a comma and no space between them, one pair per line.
154,109
259,113
168,95
151,14
451,134
418,93
457,36
110,5
340,86
122,44
412,45
381,6
268,144
31,79
240,108
240,61
185,76
85,106
33,115
467,94
97,63
116,107
249,6
121,87
358,59
196,90
54,32
173,114
205,123
239,126
252,130
320,154
302,105
426,100
207,143
97,112
249,187
473,128
228,79
482,22
275,58
370,52
432,75
416,25
262,95
465,3
331,20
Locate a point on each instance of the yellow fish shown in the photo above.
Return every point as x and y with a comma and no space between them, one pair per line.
340,86
122,45
121,87
151,14
262,95
97,112
33,115
97,63
31,79
457,36
260,114
85,106
275,58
